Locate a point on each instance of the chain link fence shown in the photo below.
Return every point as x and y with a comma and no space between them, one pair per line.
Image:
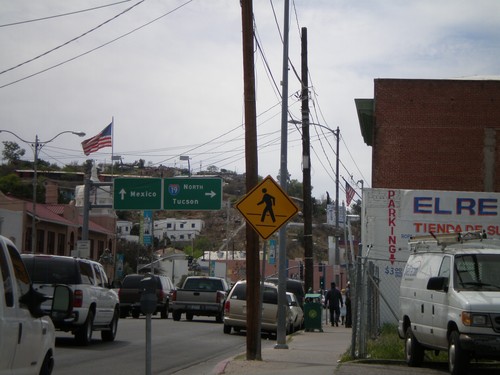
374,299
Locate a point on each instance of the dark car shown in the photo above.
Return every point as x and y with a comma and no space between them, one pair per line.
293,286
130,295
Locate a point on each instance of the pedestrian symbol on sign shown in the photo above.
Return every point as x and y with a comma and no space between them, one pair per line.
265,200
269,201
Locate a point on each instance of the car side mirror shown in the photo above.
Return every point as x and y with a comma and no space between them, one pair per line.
439,283
62,302
33,300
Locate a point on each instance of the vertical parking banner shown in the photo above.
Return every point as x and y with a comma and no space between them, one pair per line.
147,232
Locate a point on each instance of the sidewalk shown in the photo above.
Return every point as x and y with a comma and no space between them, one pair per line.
314,353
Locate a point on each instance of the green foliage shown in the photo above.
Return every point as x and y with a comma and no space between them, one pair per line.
388,346
13,185
12,152
294,189
134,253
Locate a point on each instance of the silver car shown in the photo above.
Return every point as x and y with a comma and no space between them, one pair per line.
235,309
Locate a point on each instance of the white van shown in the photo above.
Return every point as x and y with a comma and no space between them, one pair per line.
450,299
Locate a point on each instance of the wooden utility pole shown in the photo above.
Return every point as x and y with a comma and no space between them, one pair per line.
306,170
252,248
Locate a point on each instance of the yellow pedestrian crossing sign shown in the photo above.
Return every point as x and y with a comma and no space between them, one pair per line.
267,207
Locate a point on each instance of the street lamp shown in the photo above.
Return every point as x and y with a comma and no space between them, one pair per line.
36,146
336,133
185,157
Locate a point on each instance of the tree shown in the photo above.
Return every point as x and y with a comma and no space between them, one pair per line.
294,189
12,152
133,253
13,185
212,169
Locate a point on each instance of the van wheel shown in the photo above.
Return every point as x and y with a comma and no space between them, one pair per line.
414,352
458,359
83,335
227,329
136,314
47,365
110,334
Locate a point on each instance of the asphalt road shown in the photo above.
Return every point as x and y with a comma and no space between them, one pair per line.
177,348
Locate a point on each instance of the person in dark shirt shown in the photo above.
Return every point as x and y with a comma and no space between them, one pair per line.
333,300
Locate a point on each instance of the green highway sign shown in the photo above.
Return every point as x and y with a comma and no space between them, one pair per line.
195,193
137,193
179,194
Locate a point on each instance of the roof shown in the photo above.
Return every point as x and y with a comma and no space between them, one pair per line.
53,213
366,116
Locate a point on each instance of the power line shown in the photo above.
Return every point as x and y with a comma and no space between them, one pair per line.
96,48
71,40
63,14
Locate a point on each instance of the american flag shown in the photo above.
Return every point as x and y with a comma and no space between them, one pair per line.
349,193
103,139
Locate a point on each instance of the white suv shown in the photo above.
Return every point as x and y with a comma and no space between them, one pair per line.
96,306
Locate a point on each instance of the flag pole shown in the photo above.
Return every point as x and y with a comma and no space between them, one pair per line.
112,145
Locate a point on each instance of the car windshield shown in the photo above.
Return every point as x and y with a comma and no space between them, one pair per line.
477,272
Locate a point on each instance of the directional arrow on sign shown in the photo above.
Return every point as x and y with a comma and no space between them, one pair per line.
211,194
122,193
195,193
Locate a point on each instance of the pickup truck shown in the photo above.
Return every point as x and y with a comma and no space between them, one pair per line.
27,339
201,296
130,295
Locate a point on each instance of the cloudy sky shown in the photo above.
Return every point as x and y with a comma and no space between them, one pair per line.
170,75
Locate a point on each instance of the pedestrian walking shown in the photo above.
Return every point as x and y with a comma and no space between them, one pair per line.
333,300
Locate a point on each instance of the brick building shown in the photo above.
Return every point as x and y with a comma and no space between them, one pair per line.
433,134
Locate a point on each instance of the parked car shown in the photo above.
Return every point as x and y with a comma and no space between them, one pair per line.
296,312
294,286
27,336
200,296
130,295
235,309
95,305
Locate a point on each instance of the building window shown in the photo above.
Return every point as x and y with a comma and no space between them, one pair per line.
40,240
169,225
27,240
51,242
193,225
61,241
